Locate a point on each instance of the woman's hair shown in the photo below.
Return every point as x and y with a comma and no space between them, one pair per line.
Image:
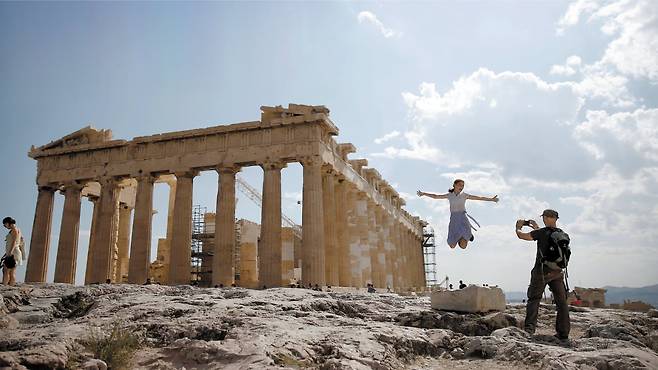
8,220
453,185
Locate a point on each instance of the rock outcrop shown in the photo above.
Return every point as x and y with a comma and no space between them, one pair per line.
47,326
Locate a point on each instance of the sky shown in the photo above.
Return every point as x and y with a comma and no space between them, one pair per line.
547,104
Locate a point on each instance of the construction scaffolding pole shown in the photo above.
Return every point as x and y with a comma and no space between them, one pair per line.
429,256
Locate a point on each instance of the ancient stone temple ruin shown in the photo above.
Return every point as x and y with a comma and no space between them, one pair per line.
354,229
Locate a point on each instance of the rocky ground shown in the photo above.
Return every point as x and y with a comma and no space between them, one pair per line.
46,326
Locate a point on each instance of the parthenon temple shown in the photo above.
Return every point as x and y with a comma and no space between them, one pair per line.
354,230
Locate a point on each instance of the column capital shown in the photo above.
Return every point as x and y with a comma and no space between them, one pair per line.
273,165
328,169
186,173
71,186
109,180
311,161
93,198
144,176
227,168
48,187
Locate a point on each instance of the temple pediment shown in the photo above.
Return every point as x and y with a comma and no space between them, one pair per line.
85,136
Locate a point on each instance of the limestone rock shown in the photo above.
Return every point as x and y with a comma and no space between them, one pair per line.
94,364
652,340
470,299
193,328
652,313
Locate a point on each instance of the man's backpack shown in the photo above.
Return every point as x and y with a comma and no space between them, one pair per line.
558,251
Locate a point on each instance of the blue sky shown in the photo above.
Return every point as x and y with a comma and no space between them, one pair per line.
548,103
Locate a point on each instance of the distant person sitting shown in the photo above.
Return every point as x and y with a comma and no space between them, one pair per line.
450,287
461,285
371,289
148,281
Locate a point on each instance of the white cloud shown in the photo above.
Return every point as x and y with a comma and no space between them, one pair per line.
569,68
605,85
619,134
633,23
387,137
573,13
429,103
295,196
532,116
419,150
369,17
480,182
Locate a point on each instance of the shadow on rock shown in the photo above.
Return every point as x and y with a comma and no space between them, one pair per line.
74,305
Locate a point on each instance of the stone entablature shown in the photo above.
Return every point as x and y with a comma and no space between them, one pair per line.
122,172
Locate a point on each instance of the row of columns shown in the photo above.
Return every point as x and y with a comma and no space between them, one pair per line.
347,239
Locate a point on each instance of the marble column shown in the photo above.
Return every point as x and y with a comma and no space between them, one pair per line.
102,241
375,268
342,237
140,245
411,258
223,269
362,222
313,263
331,255
399,250
411,263
354,240
69,233
92,232
37,263
123,243
180,265
389,248
270,246
380,280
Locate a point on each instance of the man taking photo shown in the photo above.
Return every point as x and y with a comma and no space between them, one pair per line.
545,272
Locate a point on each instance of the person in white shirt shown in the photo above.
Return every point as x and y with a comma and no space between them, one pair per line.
459,228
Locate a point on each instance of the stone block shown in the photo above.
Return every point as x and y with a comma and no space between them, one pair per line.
469,299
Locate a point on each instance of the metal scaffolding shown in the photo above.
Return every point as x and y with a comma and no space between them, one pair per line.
429,256
257,198
202,247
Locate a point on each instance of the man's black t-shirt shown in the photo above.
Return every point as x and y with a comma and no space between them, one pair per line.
541,236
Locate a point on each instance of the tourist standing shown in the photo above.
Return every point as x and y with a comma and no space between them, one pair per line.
14,251
542,274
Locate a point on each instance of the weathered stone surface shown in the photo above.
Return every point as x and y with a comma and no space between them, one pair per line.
652,313
469,299
193,328
94,364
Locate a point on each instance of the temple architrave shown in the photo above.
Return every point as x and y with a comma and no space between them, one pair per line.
354,230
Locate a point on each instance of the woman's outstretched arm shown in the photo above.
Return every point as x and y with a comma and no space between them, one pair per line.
435,196
475,197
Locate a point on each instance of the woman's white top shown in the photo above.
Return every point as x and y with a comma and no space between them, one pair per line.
14,242
457,201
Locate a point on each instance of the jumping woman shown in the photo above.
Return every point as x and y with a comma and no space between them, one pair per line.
459,229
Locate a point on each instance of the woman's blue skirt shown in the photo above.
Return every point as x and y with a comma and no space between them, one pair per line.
459,227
